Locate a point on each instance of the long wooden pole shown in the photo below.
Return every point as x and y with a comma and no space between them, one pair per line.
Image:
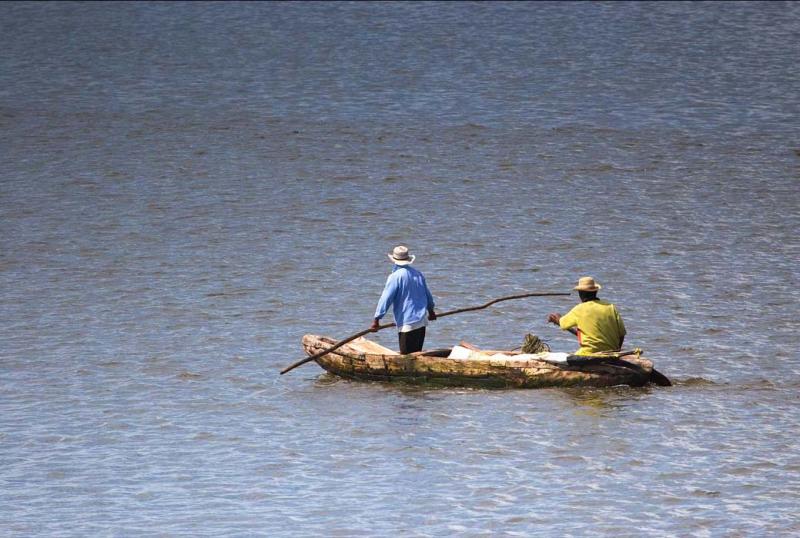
450,313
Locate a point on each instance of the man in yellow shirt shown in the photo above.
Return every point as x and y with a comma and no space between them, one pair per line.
596,323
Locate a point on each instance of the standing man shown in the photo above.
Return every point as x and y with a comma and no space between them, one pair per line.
596,323
412,302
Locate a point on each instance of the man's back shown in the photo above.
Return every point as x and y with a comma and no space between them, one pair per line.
407,291
600,325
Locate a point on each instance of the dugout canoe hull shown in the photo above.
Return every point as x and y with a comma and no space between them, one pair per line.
363,360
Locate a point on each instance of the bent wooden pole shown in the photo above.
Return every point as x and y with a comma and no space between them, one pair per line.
450,313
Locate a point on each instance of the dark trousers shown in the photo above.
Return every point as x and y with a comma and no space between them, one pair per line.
412,341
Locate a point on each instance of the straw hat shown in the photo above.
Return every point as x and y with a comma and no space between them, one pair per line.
587,283
400,256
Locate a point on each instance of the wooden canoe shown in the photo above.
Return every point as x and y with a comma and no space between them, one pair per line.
366,360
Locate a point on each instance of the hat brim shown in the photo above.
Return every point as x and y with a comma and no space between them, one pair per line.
590,288
402,262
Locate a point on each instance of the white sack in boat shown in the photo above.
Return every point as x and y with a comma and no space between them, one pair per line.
463,353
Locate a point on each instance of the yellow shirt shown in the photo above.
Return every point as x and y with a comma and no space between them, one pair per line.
600,326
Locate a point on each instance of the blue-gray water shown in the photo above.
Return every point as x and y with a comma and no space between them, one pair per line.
187,189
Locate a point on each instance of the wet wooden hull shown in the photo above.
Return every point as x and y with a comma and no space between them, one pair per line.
359,360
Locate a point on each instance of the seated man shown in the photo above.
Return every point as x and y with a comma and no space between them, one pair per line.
596,323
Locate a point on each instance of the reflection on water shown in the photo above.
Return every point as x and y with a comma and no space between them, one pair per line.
613,398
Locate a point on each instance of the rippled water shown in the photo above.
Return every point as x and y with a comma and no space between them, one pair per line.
187,189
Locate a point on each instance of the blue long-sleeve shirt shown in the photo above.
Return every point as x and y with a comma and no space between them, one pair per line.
408,295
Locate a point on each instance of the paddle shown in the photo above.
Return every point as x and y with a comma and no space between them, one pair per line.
655,376
459,311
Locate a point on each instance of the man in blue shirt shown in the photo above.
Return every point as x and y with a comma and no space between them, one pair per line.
411,301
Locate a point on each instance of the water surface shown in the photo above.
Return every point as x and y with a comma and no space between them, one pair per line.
187,189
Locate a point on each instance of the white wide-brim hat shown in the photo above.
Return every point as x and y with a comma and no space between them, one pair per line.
400,256
587,283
